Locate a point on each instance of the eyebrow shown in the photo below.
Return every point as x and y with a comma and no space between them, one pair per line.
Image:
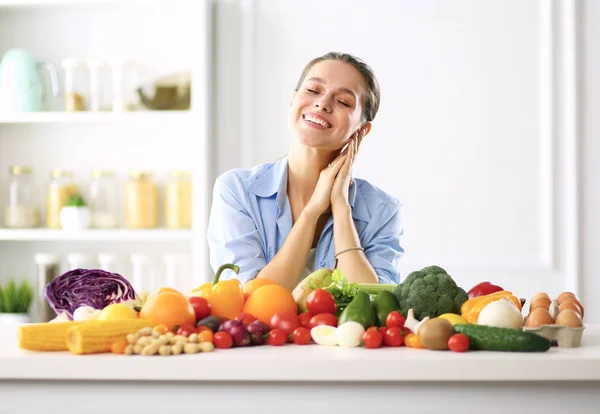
343,89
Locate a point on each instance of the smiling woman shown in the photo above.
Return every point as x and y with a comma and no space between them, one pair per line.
283,220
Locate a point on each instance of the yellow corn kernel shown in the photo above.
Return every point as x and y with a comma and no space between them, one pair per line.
97,336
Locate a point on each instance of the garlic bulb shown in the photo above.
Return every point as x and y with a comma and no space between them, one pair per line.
501,314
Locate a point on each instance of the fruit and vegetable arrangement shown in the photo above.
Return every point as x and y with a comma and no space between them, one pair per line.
99,312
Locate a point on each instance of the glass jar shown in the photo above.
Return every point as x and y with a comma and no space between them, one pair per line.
75,84
141,201
104,199
61,188
178,200
99,85
22,210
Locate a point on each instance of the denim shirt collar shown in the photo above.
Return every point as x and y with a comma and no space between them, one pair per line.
273,180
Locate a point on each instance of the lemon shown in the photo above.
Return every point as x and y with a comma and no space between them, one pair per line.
117,312
453,318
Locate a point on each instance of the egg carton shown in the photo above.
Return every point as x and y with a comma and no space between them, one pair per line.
560,335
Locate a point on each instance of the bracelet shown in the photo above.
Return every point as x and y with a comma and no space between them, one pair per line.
347,250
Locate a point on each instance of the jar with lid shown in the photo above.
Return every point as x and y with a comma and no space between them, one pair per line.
22,210
178,200
62,186
75,84
99,85
141,201
104,199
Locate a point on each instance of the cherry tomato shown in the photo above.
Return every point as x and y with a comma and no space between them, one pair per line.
304,319
395,320
277,337
301,336
458,343
222,340
246,318
372,338
323,319
406,331
201,307
393,337
286,322
382,330
206,336
320,301
186,330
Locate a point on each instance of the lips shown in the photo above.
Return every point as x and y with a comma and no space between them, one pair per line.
316,120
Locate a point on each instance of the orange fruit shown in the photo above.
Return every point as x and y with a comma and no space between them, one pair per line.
251,285
268,300
169,309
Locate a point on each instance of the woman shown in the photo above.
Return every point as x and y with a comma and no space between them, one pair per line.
282,220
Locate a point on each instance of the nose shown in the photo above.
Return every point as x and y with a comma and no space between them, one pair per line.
324,103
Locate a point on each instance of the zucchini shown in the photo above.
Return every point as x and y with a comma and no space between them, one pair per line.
487,338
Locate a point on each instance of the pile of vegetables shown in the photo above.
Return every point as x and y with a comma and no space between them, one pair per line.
430,292
90,288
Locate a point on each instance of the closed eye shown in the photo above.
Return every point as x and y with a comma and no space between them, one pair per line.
344,103
312,91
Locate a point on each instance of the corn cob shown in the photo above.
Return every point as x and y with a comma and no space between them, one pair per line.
97,336
44,336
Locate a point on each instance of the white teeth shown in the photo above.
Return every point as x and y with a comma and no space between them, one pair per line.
316,121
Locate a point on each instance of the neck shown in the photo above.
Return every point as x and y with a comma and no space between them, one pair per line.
304,167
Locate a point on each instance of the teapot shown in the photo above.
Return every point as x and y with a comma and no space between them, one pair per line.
22,88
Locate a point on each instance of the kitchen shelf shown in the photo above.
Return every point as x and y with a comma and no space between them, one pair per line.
152,235
94,117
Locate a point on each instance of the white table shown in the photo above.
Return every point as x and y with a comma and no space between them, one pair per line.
303,379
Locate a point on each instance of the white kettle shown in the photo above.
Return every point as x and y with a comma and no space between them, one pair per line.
22,88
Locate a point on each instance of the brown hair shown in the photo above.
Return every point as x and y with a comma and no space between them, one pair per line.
373,95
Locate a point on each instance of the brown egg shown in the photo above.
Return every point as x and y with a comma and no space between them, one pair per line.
540,302
576,303
570,305
565,295
570,318
539,295
538,317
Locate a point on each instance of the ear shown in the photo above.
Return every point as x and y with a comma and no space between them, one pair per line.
363,131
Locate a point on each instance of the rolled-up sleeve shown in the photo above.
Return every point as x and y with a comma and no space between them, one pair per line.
232,234
384,250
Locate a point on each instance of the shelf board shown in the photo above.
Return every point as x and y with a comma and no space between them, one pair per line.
92,117
151,235
35,3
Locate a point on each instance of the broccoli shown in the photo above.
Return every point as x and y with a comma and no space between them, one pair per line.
429,292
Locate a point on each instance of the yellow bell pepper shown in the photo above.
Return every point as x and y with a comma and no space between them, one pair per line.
226,297
471,308
413,341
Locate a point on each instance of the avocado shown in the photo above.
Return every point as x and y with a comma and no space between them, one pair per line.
385,302
360,310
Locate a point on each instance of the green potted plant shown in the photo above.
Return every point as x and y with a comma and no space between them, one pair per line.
15,301
75,215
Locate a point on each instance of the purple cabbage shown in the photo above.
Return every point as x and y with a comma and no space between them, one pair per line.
91,287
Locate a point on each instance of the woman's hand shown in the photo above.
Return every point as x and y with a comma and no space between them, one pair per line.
341,185
321,198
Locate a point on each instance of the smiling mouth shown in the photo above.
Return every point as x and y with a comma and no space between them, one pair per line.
316,120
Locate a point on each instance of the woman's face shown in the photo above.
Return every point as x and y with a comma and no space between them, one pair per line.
327,108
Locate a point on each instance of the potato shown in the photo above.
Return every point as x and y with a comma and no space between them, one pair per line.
435,333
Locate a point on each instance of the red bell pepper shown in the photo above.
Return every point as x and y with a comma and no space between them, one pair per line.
482,289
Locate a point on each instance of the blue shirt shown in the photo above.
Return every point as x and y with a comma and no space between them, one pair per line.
251,217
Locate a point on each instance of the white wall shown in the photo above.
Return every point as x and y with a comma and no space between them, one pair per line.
474,134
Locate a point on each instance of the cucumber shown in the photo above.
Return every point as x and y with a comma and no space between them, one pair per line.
487,338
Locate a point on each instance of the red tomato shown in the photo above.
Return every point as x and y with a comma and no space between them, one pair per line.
286,322
186,330
320,301
201,307
406,331
222,340
304,319
277,337
372,338
393,337
301,336
382,330
323,319
458,343
395,320
246,318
